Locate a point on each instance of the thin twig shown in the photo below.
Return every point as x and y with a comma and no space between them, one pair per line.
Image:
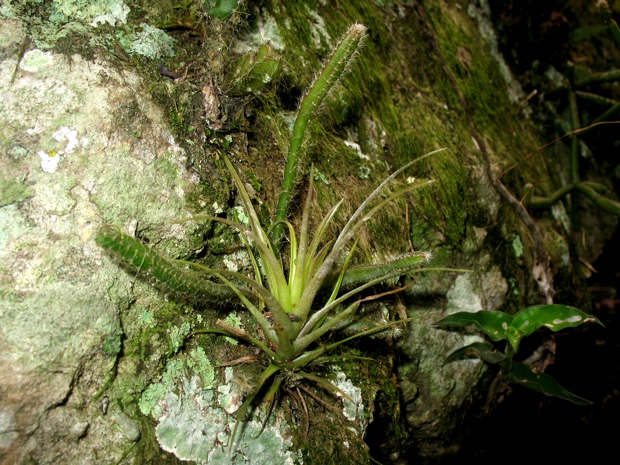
319,400
239,361
548,144
303,403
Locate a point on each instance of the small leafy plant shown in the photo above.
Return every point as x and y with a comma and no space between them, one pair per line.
499,326
294,298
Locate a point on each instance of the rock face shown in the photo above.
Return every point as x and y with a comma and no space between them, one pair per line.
99,366
67,167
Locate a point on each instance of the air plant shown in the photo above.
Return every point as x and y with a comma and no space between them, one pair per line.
297,299
290,289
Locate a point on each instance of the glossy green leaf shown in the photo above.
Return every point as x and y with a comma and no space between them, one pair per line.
553,316
540,382
483,350
494,324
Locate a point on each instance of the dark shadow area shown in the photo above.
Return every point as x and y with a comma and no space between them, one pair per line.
527,426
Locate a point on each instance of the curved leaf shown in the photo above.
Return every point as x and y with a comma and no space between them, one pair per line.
494,324
555,317
483,350
540,382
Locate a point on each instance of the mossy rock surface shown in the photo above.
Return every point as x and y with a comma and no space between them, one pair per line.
99,363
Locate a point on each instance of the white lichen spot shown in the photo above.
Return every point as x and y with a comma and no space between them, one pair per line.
461,296
147,318
353,407
242,217
230,398
7,426
35,130
127,426
36,59
180,158
70,136
152,43
481,11
470,339
318,31
216,208
237,260
559,214
194,427
556,78
49,163
178,335
268,31
201,365
234,321
357,148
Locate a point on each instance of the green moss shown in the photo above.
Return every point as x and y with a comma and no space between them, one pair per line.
374,96
12,191
112,345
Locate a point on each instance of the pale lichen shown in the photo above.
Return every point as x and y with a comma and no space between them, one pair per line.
517,246
194,422
233,320
201,365
64,17
151,42
353,407
462,296
178,335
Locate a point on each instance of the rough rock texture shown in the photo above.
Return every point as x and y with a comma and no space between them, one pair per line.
99,366
74,169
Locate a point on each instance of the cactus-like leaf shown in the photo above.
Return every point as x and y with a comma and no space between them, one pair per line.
144,259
